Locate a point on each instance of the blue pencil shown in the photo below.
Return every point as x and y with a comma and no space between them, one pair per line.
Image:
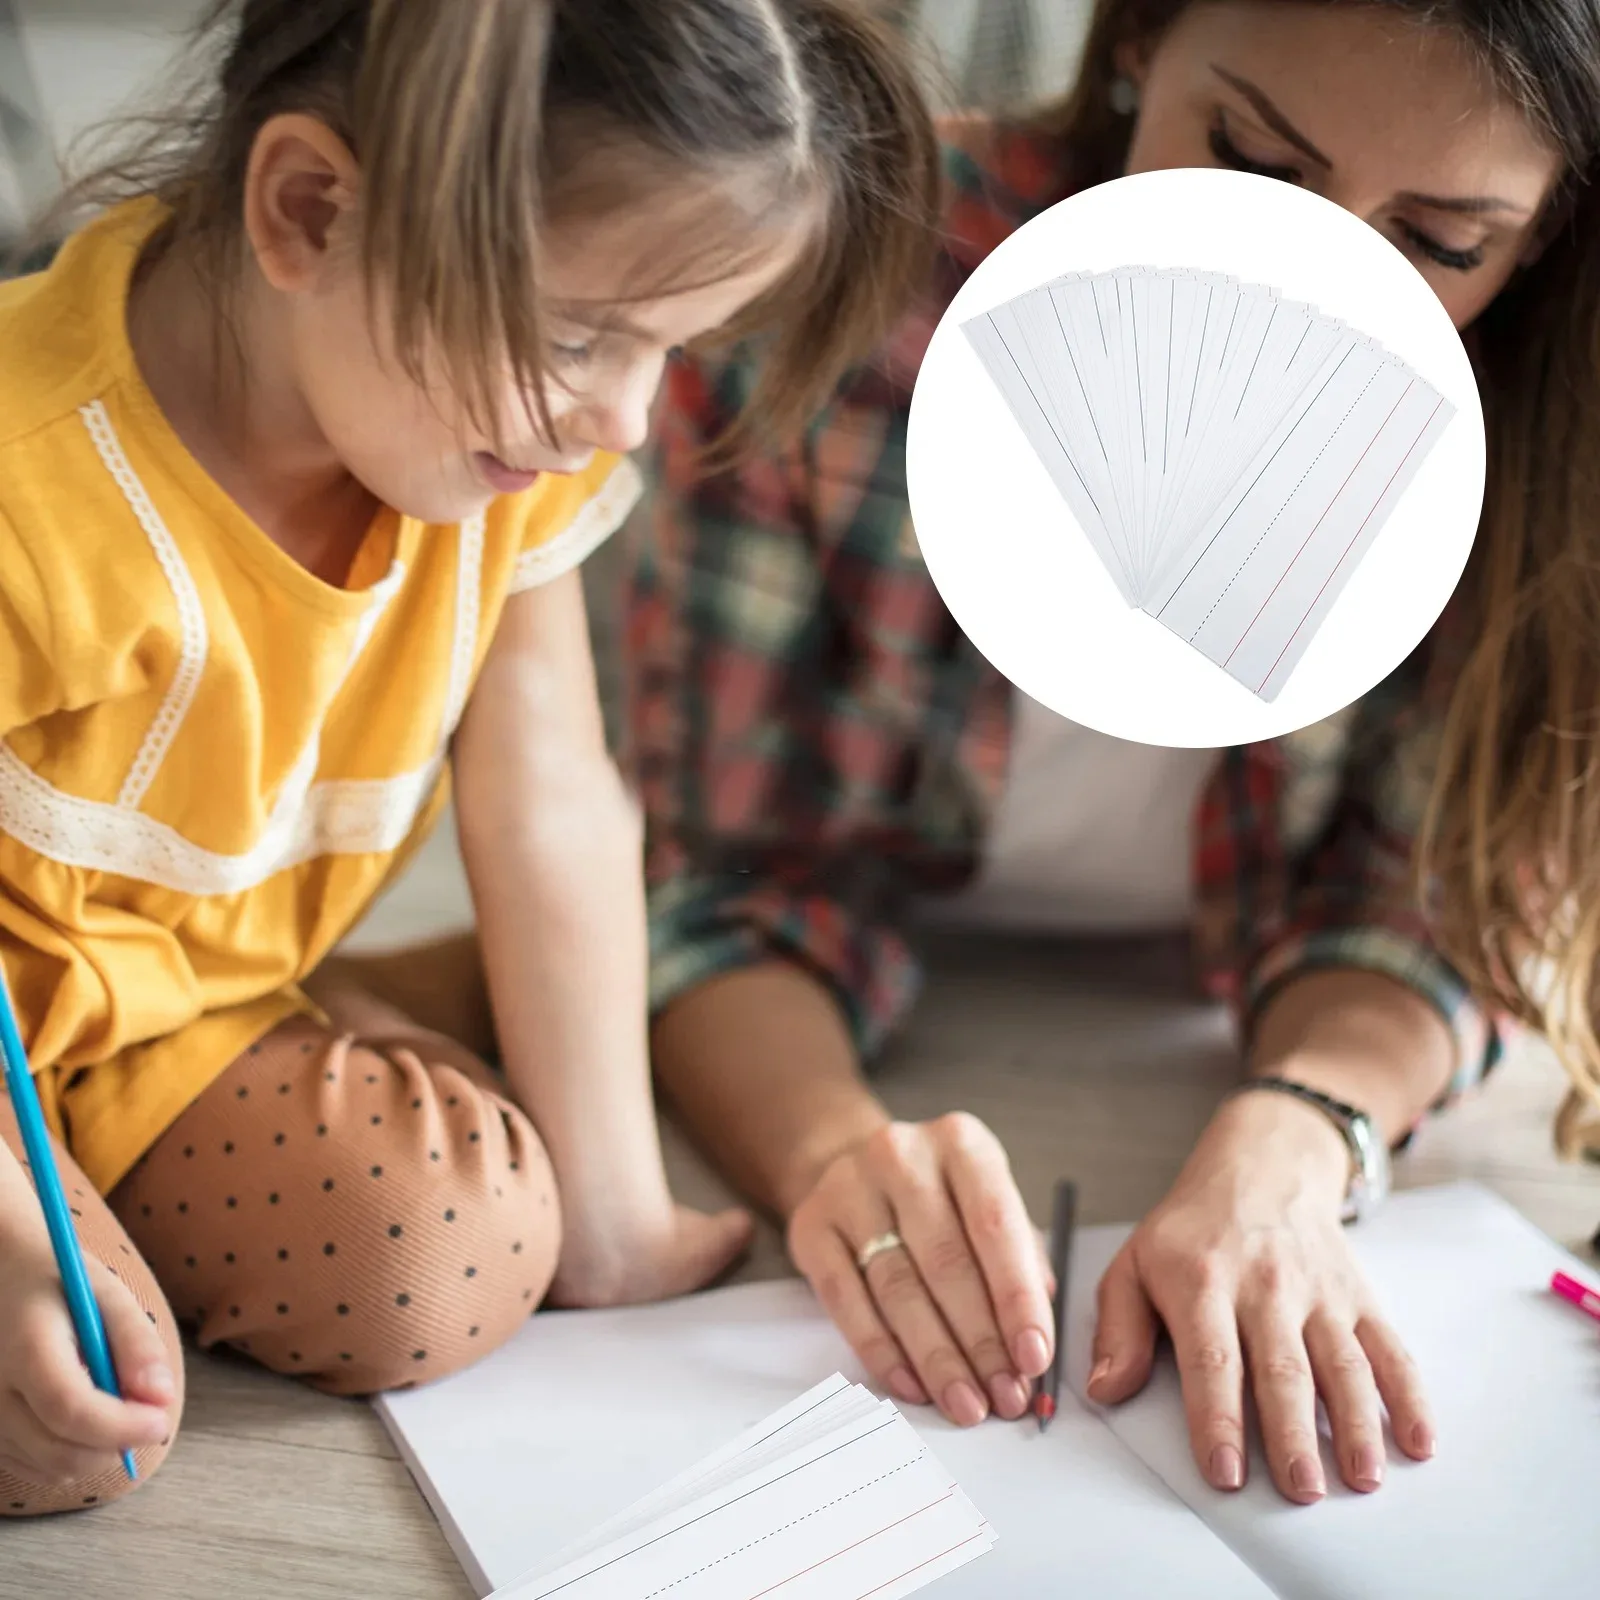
81,1304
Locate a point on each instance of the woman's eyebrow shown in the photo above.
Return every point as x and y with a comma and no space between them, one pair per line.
1271,115
1466,205
1462,205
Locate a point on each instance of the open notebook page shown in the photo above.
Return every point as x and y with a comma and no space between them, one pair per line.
582,1414
1507,1509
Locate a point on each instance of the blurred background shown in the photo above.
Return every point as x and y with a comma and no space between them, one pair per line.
67,64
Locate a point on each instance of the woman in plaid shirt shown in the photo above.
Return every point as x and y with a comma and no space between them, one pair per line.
818,747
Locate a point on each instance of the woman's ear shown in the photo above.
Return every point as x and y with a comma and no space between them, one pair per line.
1132,58
301,184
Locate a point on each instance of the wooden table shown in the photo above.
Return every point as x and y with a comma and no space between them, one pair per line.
1088,1060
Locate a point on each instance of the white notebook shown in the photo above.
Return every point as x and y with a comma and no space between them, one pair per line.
584,1413
1229,454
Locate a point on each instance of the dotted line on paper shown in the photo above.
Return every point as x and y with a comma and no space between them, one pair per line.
774,1532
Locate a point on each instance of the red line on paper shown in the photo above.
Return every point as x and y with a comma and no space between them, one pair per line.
1349,547
1320,520
919,1566
864,1539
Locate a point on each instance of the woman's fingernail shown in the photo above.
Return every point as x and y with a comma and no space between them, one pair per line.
1227,1467
1305,1477
963,1404
1367,1468
1422,1439
1102,1369
905,1387
157,1379
1010,1396
1032,1352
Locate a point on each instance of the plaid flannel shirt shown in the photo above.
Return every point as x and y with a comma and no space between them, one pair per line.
815,741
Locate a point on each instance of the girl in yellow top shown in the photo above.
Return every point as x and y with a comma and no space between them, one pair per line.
301,444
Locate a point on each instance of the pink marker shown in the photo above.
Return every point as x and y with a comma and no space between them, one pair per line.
1585,1299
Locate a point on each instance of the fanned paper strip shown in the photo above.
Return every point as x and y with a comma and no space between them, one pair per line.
1230,455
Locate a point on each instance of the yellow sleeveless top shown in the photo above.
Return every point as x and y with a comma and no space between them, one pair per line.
210,760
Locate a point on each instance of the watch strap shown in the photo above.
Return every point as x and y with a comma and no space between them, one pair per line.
1335,1110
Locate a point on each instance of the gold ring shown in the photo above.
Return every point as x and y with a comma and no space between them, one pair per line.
874,1248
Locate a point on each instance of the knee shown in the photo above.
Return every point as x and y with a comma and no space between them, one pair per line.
451,1266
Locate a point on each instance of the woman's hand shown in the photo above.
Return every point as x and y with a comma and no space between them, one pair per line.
1246,1264
960,1312
55,1425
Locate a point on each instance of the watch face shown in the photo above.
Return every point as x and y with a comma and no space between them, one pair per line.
1382,1172
1370,1183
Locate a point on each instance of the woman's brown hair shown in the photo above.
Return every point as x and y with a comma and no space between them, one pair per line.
480,123
1508,864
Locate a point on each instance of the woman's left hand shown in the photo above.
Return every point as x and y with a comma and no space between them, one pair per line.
958,1308
1248,1267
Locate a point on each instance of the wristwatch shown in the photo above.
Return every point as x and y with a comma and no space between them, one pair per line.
1369,1155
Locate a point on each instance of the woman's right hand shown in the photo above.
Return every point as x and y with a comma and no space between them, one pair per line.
55,1425
959,1313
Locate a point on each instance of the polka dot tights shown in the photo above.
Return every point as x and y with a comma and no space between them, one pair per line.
362,1209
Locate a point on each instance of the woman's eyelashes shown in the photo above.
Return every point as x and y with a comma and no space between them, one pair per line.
1455,260
1230,155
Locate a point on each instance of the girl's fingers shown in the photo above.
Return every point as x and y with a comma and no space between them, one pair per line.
1205,1339
1344,1380
1008,1253
1400,1385
144,1371
63,1397
1286,1400
1124,1334
46,1457
830,1267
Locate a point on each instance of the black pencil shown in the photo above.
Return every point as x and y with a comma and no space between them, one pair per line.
1062,1222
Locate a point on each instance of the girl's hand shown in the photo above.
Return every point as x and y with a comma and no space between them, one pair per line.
685,1251
1247,1265
960,1312
55,1425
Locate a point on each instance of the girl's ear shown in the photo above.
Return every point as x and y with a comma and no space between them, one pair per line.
300,186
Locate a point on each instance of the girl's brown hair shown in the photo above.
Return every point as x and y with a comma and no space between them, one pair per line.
479,123
1509,859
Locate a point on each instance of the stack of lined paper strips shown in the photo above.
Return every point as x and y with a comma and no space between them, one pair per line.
1229,454
833,1498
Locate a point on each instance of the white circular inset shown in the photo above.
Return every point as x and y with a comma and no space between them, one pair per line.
1015,566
